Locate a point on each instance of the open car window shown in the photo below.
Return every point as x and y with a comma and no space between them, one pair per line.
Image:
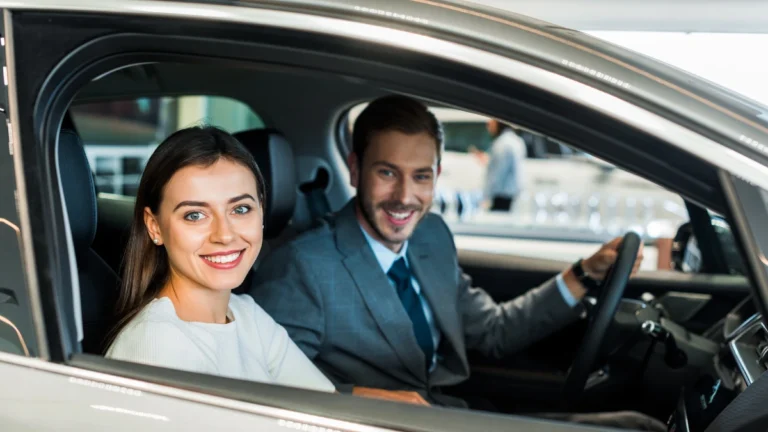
120,135
568,202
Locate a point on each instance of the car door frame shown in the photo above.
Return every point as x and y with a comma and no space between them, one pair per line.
20,311
47,130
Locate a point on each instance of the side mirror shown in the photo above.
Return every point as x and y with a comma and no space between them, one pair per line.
685,250
728,244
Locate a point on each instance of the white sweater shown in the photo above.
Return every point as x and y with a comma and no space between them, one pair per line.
251,347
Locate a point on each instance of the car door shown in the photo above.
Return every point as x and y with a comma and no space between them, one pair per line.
93,392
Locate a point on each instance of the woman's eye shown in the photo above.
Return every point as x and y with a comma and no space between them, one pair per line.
243,209
193,216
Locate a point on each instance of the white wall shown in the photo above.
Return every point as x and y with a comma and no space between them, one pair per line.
735,61
712,16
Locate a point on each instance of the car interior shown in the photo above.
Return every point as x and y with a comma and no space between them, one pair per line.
300,151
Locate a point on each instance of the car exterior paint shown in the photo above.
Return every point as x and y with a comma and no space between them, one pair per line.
630,87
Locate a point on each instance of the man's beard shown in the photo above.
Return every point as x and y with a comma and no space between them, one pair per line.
368,210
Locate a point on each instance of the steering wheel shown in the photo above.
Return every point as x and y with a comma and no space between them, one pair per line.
602,316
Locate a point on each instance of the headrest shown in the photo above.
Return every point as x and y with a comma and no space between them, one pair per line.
79,190
274,156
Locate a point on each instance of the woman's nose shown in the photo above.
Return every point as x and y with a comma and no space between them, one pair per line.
222,231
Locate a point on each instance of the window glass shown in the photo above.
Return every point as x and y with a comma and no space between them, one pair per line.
120,135
561,205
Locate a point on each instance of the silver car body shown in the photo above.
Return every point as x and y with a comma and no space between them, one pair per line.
40,395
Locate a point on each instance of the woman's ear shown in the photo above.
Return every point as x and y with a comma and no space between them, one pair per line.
153,228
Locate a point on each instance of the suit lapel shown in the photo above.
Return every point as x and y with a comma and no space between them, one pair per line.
438,289
380,298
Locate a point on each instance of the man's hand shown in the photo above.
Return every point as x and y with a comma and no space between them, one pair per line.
393,395
597,266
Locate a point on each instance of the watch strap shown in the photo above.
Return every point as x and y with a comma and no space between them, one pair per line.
583,276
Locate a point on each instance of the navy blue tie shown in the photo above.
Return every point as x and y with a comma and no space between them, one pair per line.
401,275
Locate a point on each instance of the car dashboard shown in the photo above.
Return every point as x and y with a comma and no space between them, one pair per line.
741,361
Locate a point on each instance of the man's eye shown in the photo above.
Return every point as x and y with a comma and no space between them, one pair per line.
194,216
241,210
387,173
423,177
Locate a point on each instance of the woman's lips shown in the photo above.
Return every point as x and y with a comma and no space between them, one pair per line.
225,260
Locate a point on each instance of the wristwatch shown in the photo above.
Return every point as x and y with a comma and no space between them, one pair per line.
583,276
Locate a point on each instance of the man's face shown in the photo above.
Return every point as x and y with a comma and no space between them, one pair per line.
395,184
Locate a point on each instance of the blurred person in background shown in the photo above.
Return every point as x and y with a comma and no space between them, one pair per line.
505,160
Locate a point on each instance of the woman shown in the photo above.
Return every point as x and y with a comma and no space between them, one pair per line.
196,232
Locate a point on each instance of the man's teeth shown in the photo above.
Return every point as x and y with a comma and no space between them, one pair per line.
399,216
223,259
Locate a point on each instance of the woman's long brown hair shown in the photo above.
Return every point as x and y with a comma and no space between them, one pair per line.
145,269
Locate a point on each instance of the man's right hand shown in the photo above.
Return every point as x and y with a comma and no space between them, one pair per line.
393,395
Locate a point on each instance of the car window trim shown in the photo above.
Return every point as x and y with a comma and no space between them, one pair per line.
22,205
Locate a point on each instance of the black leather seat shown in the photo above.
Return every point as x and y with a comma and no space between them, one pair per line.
274,156
98,283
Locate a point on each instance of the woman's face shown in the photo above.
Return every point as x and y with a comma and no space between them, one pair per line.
210,223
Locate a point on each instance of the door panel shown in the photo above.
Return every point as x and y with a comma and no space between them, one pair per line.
505,277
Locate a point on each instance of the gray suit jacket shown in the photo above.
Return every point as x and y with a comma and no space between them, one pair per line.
327,289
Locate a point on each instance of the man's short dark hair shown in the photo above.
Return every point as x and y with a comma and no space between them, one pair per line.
395,113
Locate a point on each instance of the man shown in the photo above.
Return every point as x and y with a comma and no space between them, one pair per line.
506,158
375,296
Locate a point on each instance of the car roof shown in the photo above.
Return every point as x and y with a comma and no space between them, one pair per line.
721,115
715,110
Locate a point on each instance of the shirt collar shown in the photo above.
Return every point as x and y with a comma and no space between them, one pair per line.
383,255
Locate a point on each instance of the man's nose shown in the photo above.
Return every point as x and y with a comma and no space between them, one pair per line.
404,191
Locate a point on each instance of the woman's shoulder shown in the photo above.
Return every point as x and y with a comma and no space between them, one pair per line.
154,334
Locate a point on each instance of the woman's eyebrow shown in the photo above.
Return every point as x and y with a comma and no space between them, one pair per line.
205,204
191,204
242,197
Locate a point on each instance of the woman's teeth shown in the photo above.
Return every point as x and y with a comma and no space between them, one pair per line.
222,259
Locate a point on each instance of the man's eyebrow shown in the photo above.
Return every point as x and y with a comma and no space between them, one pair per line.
395,167
205,204
387,164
